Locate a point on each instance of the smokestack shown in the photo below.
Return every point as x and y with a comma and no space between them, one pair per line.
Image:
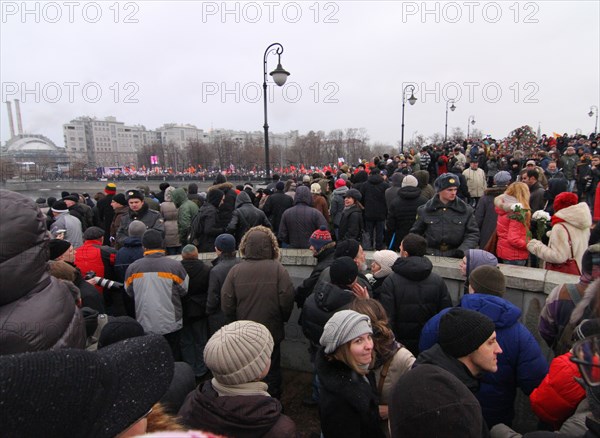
10,119
18,111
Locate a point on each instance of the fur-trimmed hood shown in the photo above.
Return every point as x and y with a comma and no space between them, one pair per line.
259,243
504,202
495,191
224,187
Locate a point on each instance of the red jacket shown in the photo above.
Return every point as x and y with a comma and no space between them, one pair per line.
92,256
558,395
512,237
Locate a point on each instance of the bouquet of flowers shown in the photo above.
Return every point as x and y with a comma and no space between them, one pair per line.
542,218
520,214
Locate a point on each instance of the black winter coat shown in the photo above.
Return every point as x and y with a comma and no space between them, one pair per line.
348,405
486,216
447,227
410,296
228,205
373,198
221,267
274,207
105,215
324,258
194,303
402,213
351,223
300,221
205,228
320,306
245,216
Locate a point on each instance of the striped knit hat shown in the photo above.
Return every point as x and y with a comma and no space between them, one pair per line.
320,238
110,189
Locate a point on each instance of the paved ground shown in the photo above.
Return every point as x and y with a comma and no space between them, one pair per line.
297,386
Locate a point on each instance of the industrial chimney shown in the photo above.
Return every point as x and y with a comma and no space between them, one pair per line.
18,110
10,119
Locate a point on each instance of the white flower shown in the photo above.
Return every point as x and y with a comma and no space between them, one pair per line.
541,215
516,205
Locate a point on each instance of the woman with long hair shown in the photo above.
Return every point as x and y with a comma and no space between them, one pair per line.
392,359
512,231
348,403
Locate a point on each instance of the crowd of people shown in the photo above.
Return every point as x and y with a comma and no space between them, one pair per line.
126,340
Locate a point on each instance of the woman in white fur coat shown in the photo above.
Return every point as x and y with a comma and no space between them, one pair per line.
570,216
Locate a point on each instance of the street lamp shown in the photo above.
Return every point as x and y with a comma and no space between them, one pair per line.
279,77
451,108
591,113
470,122
412,99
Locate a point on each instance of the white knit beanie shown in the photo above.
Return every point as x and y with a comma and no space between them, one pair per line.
386,260
342,327
238,352
409,181
315,188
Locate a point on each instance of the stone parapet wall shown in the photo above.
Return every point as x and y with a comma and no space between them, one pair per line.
527,288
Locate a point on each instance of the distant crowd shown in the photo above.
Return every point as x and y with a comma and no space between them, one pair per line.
126,341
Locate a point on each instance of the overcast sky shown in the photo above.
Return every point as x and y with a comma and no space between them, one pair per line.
513,63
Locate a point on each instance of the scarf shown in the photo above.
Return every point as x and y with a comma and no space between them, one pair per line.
250,388
556,220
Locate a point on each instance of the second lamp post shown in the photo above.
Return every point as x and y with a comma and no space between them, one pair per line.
452,108
279,76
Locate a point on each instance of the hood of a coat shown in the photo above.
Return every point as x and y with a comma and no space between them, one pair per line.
409,192
341,190
24,250
422,178
244,416
132,242
577,215
169,193
330,297
396,179
375,179
303,196
178,196
360,176
502,312
259,243
413,268
242,198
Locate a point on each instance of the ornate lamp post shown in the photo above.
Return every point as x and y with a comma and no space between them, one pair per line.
412,99
591,113
279,77
470,122
452,108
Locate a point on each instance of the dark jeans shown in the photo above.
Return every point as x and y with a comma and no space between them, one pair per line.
273,377
375,230
194,336
174,340
514,262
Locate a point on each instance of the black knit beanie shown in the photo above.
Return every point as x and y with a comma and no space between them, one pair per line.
343,271
346,248
152,239
488,280
462,331
119,328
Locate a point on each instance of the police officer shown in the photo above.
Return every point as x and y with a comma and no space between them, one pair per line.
446,222
138,210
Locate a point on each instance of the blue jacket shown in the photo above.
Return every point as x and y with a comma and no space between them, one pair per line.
129,253
521,363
